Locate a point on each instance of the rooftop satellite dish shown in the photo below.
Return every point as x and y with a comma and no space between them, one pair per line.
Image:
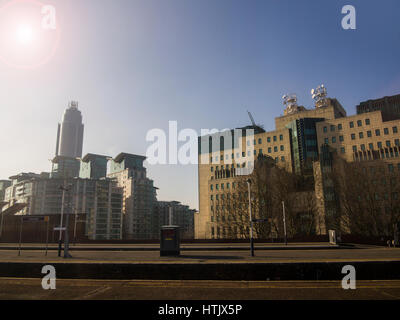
319,95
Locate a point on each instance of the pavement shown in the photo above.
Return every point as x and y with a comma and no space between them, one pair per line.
202,272
187,246
31,289
208,255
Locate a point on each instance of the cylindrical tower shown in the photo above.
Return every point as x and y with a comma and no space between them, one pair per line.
70,133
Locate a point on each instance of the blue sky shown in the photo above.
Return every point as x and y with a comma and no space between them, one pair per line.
136,64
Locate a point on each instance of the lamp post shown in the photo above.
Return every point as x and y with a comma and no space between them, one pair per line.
251,219
284,221
64,188
2,217
61,219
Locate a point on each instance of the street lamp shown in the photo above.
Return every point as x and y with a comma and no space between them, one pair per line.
64,188
284,221
251,219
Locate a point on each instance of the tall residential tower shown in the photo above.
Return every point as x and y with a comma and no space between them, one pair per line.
70,133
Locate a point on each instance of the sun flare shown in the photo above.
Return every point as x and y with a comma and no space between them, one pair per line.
24,35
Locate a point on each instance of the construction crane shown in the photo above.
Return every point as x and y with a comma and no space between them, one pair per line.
252,119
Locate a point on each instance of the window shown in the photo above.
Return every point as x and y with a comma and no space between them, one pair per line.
397,142
282,148
379,145
254,142
222,187
394,129
217,187
367,122
212,169
269,139
369,134
377,132
269,150
228,185
391,167
325,129
326,141
341,139
276,160
371,146
248,153
353,136
339,126
275,149
248,142
255,152
259,141
212,197
361,135
332,128
359,123
243,154
342,150
260,151
281,137
274,138
354,148
283,159
363,147
212,187
386,131
333,139
351,124
387,143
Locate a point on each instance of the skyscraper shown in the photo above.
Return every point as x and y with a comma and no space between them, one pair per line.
70,133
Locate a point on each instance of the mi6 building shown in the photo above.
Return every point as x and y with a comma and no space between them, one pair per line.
301,143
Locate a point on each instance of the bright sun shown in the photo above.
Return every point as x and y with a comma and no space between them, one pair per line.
24,35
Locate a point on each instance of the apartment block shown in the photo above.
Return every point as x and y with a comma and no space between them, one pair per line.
139,195
98,202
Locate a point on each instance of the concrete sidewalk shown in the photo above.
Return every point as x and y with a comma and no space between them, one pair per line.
84,289
186,246
371,264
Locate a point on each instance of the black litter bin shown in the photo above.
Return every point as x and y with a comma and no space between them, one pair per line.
170,244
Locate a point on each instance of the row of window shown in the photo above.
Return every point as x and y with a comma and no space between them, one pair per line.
260,151
361,136
371,146
221,158
274,138
351,125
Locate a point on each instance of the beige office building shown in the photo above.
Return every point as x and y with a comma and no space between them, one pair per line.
295,144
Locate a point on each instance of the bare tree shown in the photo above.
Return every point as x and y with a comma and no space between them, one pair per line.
368,194
271,185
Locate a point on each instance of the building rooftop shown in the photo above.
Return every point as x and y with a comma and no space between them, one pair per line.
92,156
123,156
